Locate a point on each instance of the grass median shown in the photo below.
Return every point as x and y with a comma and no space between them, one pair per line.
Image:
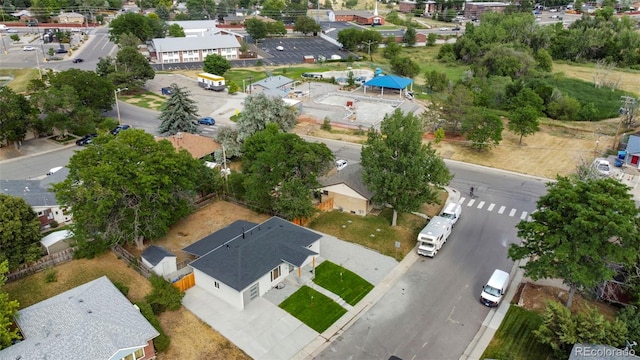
342,282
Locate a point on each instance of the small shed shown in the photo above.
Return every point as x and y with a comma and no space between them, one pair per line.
308,59
633,151
160,260
57,241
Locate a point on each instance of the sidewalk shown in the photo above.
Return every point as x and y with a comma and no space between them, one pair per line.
30,148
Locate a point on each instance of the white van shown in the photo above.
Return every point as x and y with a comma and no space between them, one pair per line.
452,211
3,27
496,287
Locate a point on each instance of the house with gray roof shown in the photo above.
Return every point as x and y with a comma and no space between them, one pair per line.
194,49
245,260
91,321
347,190
633,151
160,260
37,193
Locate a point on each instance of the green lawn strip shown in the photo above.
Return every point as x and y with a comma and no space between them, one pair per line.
313,308
342,282
373,232
515,340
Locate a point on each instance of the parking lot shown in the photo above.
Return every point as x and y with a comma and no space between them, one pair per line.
294,49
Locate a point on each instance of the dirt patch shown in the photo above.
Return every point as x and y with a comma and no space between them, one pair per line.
629,80
193,339
535,297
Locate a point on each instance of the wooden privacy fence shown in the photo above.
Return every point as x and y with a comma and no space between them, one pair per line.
186,282
326,205
130,259
43,263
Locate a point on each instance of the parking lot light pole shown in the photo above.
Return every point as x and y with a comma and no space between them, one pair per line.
116,92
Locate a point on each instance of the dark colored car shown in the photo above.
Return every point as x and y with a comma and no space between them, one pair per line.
77,60
86,140
119,128
61,51
207,121
167,91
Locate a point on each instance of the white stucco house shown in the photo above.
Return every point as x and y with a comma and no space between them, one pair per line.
91,321
244,260
160,260
37,194
193,49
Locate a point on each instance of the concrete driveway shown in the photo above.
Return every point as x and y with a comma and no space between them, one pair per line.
263,330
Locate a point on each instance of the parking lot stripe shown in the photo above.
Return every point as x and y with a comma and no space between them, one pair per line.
491,207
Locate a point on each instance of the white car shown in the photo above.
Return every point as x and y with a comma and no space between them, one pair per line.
444,29
602,167
341,164
12,31
28,48
279,48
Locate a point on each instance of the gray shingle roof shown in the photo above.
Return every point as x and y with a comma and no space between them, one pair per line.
350,176
195,24
196,43
243,260
91,321
34,192
633,144
154,254
218,238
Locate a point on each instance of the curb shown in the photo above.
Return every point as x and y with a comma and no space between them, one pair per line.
24,156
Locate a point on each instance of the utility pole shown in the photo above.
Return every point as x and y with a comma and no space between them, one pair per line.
627,111
369,43
4,46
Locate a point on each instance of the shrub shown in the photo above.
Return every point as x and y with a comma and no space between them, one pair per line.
90,249
124,289
564,108
54,224
161,342
233,87
259,62
438,135
164,295
51,276
326,124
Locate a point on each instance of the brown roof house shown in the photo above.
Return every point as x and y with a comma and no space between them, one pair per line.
362,17
348,191
198,146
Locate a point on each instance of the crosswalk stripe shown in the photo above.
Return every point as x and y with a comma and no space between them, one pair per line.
461,201
512,212
470,203
501,210
491,207
481,205
524,215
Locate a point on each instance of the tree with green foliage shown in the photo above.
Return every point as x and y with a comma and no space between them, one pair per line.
398,168
431,39
561,329
630,316
392,48
436,80
175,30
8,310
281,171
233,87
404,66
130,23
260,110
17,115
506,61
179,113
578,230
20,232
483,128
524,122
163,296
456,106
564,108
130,69
410,36
276,28
128,188
216,64
544,61
306,25
128,39
163,12
201,9
256,28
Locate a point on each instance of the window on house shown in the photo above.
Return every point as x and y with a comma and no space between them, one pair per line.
325,192
39,213
128,357
216,284
139,354
275,273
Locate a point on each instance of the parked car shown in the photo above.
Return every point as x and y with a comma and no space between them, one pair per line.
444,29
61,51
602,167
341,164
28,48
167,91
86,140
120,128
12,31
77,60
279,48
207,121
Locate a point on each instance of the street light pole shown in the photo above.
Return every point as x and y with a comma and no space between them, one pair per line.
116,92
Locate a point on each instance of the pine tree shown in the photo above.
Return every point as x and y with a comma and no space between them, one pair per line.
179,113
